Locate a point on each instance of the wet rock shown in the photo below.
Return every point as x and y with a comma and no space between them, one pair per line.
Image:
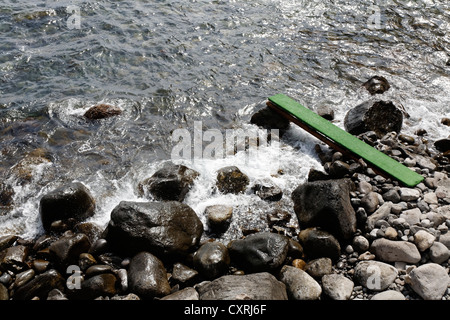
40,286
168,229
102,111
183,275
56,294
14,258
267,190
188,293
70,203
231,180
318,243
393,251
219,217
429,281
375,275
269,119
319,267
326,204
147,276
97,269
6,195
24,277
376,85
7,241
337,286
445,121
389,295
339,169
317,175
381,117
170,183
102,285
299,284
254,286
67,249
262,251
212,260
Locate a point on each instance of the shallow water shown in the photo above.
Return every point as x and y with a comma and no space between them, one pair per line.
170,63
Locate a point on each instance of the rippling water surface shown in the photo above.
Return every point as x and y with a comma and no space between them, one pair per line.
170,63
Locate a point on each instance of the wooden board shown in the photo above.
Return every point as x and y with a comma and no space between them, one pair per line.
341,140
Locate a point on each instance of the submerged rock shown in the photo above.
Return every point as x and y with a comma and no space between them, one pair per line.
169,229
102,111
70,204
381,117
267,190
170,183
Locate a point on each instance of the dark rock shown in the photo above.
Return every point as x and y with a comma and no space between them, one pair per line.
188,293
262,251
14,258
443,145
317,175
167,229
376,85
266,190
170,183
99,246
70,203
339,169
91,230
101,285
319,267
445,121
86,260
392,195
325,112
6,195
370,202
40,265
218,217
7,241
231,180
102,111
255,286
269,119
40,286
183,275
147,276
67,249
97,269
212,260
318,243
326,204
380,116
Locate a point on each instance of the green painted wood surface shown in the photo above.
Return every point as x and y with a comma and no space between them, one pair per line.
348,141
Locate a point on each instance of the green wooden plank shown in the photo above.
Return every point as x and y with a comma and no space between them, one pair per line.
347,141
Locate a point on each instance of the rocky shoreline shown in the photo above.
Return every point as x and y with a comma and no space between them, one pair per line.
363,237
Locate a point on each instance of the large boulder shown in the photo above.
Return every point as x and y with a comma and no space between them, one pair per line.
70,204
170,183
326,204
254,286
381,117
258,252
169,229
